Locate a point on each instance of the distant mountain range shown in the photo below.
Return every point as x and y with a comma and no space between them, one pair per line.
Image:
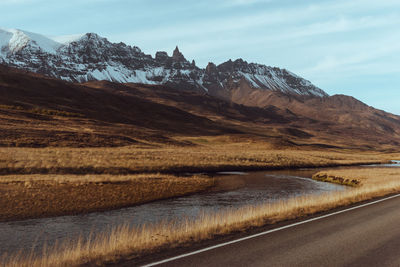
86,91
38,111
89,57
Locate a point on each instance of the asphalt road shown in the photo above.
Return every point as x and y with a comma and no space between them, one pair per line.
366,236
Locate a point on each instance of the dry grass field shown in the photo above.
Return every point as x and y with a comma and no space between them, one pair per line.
125,240
130,241
39,182
366,177
210,154
33,196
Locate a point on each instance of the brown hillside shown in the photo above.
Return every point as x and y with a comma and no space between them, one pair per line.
40,111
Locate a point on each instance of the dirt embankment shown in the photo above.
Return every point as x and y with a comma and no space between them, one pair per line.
47,196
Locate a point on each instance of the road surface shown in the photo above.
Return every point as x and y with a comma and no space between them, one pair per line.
365,236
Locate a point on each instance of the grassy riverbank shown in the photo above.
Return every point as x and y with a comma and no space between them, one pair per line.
33,196
357,177
125,240
42,182
211,156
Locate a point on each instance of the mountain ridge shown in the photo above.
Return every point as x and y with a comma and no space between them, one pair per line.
90,57
37,110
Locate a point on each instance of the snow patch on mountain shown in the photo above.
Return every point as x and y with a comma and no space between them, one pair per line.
87,57
67,39
5,38
14,40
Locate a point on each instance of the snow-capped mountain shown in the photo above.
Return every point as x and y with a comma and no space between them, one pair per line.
90,57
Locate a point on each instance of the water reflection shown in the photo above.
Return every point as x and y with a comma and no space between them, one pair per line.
393,164
254,188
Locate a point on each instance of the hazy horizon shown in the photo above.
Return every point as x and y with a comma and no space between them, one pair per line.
340,46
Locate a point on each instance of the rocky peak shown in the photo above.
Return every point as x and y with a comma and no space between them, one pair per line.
92,39
211,73
177,56
91,57
92,35
211,68
227,66
233,66
241,64
161,56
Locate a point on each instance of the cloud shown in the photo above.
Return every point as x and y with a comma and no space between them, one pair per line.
306,20
359,57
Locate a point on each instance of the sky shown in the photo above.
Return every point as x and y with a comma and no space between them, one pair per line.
343,47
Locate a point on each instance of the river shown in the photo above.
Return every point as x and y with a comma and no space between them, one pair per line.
250,188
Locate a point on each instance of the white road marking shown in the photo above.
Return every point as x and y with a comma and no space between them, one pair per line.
266,232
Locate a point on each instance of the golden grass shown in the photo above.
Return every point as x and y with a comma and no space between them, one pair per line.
367,177
213,157
126,240
97,178
32,196
82,166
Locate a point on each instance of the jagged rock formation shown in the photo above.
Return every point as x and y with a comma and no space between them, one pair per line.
90,57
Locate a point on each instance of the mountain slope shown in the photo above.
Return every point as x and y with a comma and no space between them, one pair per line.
336,109
41,111
163,97
90,57
341,114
